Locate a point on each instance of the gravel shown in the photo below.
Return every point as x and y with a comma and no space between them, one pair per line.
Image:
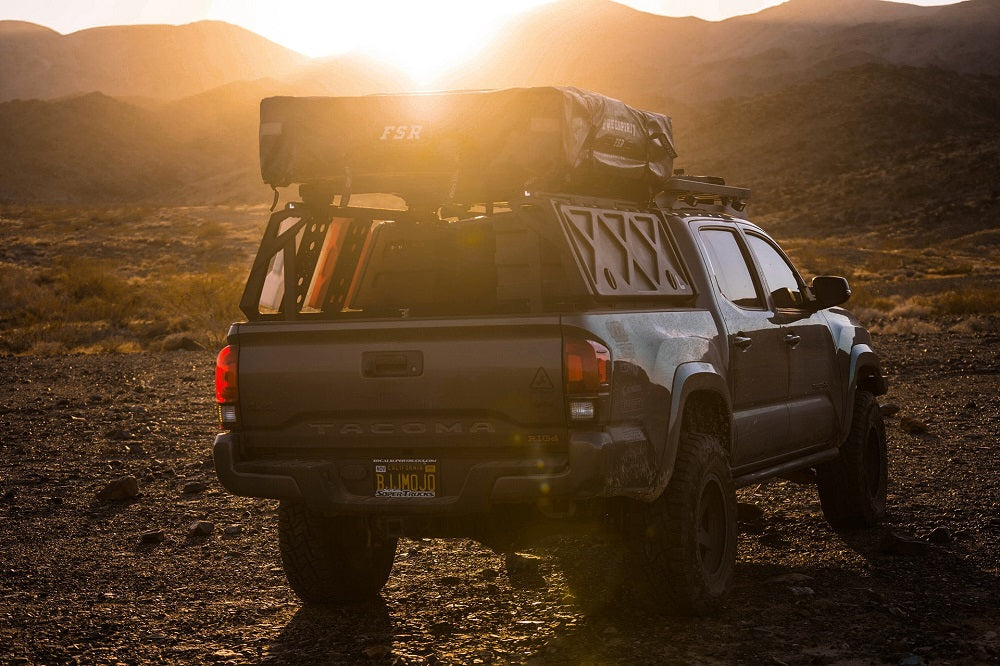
181,571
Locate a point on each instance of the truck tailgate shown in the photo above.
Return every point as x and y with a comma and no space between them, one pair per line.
401,384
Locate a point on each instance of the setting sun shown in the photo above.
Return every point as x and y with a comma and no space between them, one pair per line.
422,39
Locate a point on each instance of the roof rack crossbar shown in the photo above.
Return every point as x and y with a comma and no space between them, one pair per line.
704,193
705,185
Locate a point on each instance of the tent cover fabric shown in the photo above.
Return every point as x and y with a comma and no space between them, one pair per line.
466,147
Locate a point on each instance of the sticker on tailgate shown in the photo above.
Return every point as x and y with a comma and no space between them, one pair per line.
405,478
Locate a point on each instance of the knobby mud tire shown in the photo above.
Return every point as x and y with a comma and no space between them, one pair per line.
852,488
331,560
684,543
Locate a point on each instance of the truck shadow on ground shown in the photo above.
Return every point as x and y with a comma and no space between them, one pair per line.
334,635
884,607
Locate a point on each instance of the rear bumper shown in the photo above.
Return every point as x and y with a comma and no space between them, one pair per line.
595,466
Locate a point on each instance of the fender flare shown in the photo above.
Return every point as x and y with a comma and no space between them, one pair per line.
688,378
862,357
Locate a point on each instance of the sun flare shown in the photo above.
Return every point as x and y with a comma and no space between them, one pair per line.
423,39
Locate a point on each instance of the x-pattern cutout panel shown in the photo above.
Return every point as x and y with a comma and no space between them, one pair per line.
624,253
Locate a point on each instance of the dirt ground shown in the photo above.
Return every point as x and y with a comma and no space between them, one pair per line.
90,581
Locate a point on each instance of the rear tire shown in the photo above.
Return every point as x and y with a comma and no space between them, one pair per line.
332,560
852,488
684,543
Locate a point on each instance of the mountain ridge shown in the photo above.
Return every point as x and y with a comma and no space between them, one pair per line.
692,59
596,44
160,61
9,27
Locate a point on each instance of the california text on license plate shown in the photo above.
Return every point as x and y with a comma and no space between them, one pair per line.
405,478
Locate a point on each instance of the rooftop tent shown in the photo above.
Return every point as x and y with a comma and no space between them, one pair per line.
465,147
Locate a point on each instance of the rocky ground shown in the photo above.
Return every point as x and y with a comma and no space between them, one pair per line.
183,572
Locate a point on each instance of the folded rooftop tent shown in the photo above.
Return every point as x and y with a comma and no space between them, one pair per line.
465,147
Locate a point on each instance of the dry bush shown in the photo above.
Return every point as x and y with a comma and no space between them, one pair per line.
864,296
47,348
884,263
92,291
975,324
18,340
962,267
26,296
906,326
111,345
202,304
868,315
912,308
973,301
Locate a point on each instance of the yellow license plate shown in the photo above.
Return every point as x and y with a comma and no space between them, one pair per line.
406,478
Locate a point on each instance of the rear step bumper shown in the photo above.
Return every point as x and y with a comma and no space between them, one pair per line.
593,468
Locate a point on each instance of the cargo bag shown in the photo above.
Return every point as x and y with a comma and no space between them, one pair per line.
465,147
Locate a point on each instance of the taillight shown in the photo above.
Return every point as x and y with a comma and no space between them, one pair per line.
587,366
227,392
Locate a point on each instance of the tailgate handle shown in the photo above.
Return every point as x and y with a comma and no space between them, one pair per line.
392,364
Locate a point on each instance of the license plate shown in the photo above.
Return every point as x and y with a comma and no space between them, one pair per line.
406,478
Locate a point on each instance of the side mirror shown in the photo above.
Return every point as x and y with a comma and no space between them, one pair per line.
830,290
786,298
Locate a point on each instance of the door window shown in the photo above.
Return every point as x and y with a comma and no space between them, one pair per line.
778,273
729,268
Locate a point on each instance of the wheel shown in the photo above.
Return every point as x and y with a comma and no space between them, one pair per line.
684,543
852,488
331,560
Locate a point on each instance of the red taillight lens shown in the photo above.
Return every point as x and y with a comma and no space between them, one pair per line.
587,364
226,390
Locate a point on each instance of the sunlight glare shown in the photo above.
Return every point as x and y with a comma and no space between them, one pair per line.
423,39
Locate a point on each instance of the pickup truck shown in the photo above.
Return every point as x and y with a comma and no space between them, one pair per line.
556,358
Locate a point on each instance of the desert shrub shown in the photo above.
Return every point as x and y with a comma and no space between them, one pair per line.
118,215
973,301
114,344
47,348
974,324
868,315
83,279
18,340
89,290
906,326
863,296
912,308
27,296
203,304
953,268
884,263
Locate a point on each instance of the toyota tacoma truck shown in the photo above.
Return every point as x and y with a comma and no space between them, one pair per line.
553,326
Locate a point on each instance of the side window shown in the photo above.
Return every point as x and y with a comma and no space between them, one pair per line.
729,267
778,273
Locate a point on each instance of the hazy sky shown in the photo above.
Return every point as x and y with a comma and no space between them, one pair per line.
398,31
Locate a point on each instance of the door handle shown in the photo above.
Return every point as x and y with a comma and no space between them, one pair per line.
792,339
742,341
392,364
